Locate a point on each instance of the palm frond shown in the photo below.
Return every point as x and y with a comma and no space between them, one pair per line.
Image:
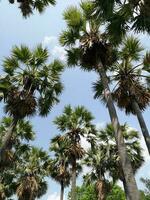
73,17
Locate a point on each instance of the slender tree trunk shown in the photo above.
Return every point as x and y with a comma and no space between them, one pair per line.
73,183
7,138
101,190
62,191
124,159
125,189
31,197
142,124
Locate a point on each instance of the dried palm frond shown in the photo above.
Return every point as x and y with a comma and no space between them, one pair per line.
128,92
20,104
28,186
95,48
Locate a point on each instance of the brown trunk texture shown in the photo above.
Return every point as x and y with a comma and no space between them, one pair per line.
124,159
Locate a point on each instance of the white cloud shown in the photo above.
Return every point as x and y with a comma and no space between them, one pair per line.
48,40
84,143
59,52
54,196
100,125
85,170
55,49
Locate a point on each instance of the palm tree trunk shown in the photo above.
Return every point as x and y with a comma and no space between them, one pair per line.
125,189
62,191
31,197
142,124
101,190
73,184
125,162
7,138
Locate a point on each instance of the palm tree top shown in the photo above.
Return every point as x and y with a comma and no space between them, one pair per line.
129,76
85,43
74,118
27,7
31,79
122,16
103,156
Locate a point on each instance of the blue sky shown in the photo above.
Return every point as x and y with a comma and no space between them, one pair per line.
45,29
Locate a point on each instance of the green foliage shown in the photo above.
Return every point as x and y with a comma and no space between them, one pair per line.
85,192
146,62
131,49
30,84
122,16
73,17
103,157
146,182
23,166
88,192
72,119
27,7
116,194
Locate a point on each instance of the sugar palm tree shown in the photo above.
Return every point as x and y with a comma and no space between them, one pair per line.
28,6
104,158
23,131
13,155
75,123
97,160
134,151
123,16
59,165
32,85
89,48
32,174
131,92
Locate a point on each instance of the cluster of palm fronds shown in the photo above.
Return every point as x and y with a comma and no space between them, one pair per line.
96,39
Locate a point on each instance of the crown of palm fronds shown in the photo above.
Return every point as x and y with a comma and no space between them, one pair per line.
75,151
27,186
87,45
118,16
60,172
28,6
125,93
103,157
20,104
30,84
7,159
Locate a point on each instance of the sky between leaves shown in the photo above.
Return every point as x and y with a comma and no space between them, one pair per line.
45,29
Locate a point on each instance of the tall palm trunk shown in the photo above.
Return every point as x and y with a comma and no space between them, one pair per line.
101,189
7,138
62,191
125,162
142,124
125,188
31,197
73,183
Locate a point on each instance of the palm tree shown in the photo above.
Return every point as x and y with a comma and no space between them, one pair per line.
104,158
123,16
13,155
28,6
75,123
131,92
97,159
59,165
87,47
32,174
29,85
134,151
23,131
